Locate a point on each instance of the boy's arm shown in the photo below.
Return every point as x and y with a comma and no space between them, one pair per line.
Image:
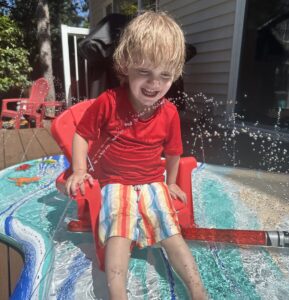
172,167
79,153
79,166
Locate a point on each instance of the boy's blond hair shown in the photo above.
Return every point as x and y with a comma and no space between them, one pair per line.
152,36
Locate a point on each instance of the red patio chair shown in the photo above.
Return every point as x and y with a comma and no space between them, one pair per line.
33,107
63,128
39,91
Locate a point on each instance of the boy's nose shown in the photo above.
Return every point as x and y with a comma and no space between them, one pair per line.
154,81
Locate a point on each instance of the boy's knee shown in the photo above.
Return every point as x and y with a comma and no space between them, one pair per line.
173,242
175,246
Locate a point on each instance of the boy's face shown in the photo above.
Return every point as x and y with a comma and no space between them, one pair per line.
148,84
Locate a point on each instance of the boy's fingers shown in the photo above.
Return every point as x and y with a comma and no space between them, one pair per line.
90,180
82,188
72,190
184,197
67,185
73,187
173,195
69,189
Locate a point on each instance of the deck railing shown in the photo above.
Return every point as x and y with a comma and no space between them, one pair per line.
11,264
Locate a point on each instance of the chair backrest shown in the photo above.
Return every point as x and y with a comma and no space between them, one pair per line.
63,127
39,90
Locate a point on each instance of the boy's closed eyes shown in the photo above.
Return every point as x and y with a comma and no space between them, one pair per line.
148,73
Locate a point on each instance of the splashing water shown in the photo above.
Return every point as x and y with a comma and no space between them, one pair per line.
227,140
223,140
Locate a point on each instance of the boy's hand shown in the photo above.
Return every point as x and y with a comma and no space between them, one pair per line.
176,192
76,180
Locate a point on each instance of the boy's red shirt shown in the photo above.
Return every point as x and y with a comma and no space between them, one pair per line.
130,147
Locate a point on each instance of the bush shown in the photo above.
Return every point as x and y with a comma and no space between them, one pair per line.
14,65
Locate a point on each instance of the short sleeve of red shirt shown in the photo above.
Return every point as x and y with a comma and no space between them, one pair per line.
94,118
173,143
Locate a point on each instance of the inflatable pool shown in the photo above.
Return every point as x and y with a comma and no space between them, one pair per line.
62,265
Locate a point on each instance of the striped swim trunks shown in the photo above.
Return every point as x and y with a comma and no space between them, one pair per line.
141,213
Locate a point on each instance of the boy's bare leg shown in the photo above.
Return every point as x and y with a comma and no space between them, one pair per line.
117,255
184,264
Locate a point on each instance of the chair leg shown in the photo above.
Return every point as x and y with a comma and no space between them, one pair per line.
100,256
83,223
38,123
17,122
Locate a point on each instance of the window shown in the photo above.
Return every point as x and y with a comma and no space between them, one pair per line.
263,86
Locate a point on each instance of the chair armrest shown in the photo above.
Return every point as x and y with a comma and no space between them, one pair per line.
186,165
184,180
60,185
12,100
92,196
52,104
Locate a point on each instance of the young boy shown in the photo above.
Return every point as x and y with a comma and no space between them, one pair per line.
135,125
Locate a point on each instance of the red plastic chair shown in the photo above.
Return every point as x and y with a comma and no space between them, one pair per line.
33,107
62,129
38,94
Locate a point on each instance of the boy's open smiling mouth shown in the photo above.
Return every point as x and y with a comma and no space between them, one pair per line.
149,93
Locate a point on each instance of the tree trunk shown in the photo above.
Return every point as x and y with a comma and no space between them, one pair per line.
44,41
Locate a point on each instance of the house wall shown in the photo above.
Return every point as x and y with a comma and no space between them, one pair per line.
97,10
209,26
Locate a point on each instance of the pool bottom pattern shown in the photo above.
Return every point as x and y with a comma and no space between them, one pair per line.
62,265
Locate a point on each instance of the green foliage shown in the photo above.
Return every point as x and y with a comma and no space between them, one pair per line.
68,12
14,65
128,8
62,12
